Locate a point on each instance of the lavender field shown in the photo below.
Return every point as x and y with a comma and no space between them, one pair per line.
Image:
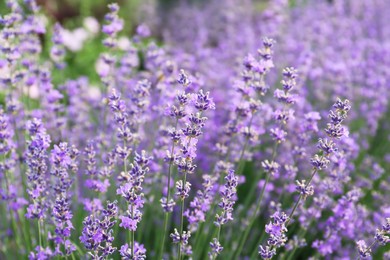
197,129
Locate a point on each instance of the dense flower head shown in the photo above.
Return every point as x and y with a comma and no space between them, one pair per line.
271,167
41,254
277,235
182,190
319,162
228,199
266,252
131,190
139,252
97,234
36,156
216,248
381,237
203,101
364,250
327,146
278,135
180,238
303,189
62,217
183,79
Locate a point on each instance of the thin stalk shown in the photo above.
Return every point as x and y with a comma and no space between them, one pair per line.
241,163
166,217
39,233
300,198
182,217
253,188
253,218
132,233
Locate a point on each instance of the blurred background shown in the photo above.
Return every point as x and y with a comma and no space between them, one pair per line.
170,21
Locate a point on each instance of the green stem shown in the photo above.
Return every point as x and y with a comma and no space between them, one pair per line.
241,162
39,233
253,218
300,198
182,216
166,217
132,233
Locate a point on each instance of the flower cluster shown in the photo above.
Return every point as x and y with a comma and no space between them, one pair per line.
97,234
382,237
57,52
276,230
113,26
228,199
131,191
234,134
63,158
36,158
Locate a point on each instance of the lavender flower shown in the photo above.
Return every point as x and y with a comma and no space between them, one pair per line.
57,52
97,232
228,199
113,26
37,169
139,252
63,158
265,124
131,192
277,228
382,237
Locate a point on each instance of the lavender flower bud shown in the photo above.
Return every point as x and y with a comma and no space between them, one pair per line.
183,191
183,239
381,238
216,248
319,163
139,252
183,79
304,190
270,167
363,249
327,146
266,252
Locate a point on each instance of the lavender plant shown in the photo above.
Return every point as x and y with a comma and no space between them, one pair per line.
198,135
